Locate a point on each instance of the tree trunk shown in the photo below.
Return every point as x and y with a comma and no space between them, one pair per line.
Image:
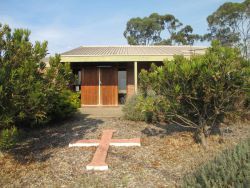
203,139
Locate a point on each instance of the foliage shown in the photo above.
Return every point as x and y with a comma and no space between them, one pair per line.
131,109
230,169
30,93
8,138
63,104
140,108
61,101
230,24
199,91
184,36
149,30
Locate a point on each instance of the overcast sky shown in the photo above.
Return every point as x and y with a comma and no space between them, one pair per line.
67,24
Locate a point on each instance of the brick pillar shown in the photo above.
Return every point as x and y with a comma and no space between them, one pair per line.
130,80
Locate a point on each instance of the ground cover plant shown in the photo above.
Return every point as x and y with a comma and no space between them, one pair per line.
31,95
230,169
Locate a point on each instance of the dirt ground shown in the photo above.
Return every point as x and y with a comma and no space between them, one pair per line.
44,159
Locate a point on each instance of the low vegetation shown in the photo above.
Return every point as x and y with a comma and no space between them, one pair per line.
132,110
197,92
8,138
31,94
230,169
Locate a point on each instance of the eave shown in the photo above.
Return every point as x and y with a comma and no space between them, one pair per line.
117,58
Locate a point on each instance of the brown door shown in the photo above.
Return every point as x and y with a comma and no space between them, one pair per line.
90,86
109,86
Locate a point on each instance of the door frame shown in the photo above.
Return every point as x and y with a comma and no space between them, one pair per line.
99,86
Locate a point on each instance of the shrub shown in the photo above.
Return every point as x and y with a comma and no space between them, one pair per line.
63,104
30,93
8,138
230,169
131,109
140,108
198,92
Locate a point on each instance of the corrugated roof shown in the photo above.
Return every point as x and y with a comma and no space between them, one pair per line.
134,50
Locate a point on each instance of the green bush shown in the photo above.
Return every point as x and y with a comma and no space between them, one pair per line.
8,138
32,94
63,104
230,169
139,108
197,92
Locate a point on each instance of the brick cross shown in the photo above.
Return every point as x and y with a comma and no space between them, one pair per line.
98,161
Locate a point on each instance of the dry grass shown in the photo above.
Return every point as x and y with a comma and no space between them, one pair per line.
166,155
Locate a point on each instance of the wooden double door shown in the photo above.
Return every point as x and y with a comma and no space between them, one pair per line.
99,86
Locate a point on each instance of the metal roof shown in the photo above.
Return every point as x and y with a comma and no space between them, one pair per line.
134,51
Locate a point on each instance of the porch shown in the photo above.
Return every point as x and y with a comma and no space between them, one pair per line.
107,83
108,75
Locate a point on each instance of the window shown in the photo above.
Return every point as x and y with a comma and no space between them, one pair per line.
122,86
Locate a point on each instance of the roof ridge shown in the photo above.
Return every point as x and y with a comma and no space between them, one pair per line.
133,50
143,46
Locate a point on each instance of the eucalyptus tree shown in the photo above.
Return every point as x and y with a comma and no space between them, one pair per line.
230,24
159,30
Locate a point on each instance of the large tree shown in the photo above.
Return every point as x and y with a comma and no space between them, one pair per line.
230,24
157,30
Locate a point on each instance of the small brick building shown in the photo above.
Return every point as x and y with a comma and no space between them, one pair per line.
109,74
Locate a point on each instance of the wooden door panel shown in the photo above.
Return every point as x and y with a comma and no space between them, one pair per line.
90,86
109,86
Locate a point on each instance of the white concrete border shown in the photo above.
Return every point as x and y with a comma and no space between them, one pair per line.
83,144
125,144
129,144
100,168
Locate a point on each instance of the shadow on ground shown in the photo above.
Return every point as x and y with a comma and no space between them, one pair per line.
164,129
36,144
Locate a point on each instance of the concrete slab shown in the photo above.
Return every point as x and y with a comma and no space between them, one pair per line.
101,111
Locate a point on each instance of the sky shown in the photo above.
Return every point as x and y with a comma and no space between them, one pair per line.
67,24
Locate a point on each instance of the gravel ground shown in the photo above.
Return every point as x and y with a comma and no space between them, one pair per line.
44,159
